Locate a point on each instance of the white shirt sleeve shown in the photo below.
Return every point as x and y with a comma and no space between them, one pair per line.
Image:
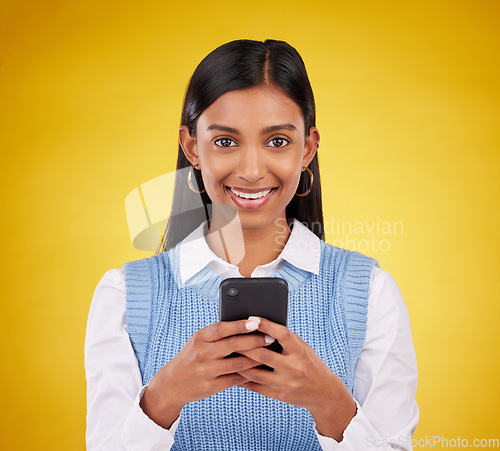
385,378
115,420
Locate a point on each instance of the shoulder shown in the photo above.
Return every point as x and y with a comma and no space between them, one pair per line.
113,279
349,260
143,262
363,273
363,276
108,302
139,269
385,298
380,280
111,287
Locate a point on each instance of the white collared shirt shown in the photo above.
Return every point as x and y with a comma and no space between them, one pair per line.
385,378
302,249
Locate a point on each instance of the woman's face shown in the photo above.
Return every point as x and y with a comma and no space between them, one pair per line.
250,146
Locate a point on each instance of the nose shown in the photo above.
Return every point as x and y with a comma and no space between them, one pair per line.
251,166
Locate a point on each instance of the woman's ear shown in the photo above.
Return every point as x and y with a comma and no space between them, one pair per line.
188,144
311,146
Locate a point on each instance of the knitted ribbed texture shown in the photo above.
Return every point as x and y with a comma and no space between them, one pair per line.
328,311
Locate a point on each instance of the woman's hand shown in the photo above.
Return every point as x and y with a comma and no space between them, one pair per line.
200,370
300,378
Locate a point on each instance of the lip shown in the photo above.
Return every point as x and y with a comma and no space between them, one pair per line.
250,204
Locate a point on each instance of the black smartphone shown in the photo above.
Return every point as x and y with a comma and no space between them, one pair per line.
267,297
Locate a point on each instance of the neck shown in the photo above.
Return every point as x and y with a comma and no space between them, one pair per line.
248,248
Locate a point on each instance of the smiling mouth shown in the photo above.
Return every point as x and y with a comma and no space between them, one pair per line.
250,196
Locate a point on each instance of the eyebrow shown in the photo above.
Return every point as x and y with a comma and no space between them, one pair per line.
273,128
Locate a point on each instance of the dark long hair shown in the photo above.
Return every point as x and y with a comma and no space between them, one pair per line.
237,65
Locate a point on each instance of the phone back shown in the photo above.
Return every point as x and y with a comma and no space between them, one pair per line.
242,297
266,297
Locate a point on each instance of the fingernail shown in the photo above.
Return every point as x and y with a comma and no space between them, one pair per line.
251,325
268,339
255,319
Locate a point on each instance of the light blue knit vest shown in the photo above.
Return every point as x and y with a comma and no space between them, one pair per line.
328,311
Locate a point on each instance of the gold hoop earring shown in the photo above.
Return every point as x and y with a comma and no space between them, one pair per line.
190,182
310,186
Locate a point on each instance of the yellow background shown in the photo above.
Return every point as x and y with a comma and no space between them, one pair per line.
408,108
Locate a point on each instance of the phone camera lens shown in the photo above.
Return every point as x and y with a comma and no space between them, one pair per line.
232,292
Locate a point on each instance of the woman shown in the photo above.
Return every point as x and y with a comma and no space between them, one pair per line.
154,352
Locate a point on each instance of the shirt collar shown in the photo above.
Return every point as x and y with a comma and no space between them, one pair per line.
303,250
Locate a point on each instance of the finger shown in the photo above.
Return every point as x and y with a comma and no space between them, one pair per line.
259,376
237,343
266,356
281,333
228,380
224,329
289,340
235,365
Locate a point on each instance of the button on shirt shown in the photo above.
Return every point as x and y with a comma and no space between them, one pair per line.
385,378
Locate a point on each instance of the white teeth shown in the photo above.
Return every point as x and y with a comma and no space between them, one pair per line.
250,195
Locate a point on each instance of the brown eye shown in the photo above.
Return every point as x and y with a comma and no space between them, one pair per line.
279,142
224,142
